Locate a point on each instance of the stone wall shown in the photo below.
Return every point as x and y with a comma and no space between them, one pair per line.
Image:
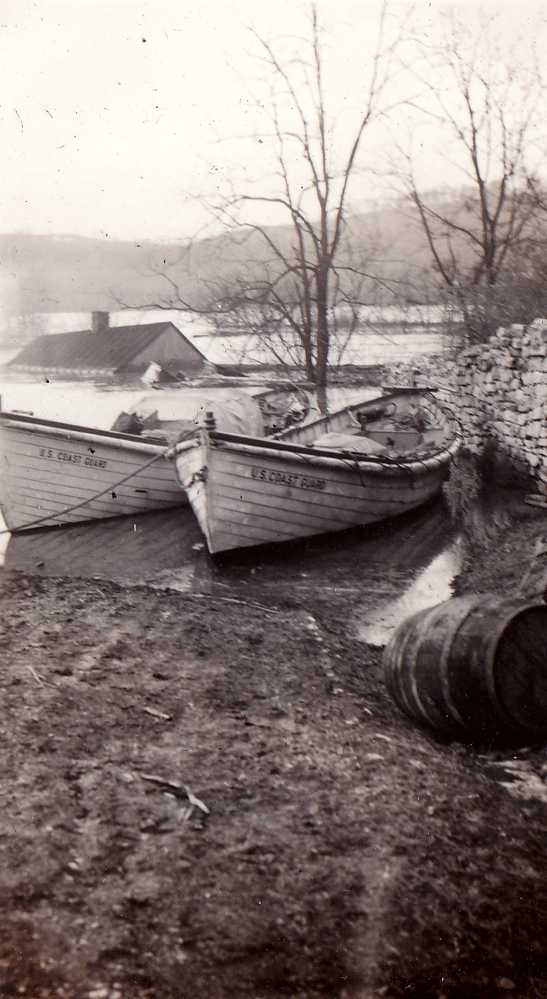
499,392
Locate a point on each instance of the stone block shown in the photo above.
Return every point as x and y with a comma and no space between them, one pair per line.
530,378
520,396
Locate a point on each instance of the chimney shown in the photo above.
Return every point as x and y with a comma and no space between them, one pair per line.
100,322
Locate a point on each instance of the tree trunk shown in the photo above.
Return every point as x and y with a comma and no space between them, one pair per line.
321,367
308,353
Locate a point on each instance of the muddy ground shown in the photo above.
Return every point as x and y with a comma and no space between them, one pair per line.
211,798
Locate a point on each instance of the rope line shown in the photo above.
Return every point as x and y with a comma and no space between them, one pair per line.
91,499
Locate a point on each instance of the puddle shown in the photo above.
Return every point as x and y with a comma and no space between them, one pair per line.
431,586
372,575
4,539
123,549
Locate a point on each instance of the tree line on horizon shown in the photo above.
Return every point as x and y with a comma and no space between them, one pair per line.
479,251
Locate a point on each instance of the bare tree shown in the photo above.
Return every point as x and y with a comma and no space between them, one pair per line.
287,281
489,110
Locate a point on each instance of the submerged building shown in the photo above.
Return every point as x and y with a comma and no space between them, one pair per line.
111,350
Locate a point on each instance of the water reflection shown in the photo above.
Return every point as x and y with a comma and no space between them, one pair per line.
4,539
369,578
429,587
123,549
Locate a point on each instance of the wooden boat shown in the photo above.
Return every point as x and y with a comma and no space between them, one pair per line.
54,473
363,463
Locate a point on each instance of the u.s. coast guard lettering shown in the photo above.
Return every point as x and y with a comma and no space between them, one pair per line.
72,456
287,478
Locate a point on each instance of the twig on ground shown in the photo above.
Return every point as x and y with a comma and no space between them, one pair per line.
196,802
178,790
36,675
166,785
235,600
157,714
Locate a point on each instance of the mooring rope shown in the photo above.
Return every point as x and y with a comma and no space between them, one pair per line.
76,506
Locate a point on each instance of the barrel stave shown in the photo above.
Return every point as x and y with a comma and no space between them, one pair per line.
474,666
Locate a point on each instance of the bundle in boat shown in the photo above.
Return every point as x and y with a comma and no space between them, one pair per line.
473,667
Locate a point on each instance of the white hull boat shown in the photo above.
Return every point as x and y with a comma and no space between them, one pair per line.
364,463
55,473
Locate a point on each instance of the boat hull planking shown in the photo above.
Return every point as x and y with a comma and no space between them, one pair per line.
245,495
52,474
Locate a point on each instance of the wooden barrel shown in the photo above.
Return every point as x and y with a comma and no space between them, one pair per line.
473,666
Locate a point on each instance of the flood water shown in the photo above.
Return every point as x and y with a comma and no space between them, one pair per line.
374,576
371,577
385,334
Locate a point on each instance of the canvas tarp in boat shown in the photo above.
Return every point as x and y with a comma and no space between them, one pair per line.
235,414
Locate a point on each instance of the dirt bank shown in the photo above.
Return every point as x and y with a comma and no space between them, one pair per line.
209,798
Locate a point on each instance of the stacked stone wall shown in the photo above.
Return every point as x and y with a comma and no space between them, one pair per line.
498,390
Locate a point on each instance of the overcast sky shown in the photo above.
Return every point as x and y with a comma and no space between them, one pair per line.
113,113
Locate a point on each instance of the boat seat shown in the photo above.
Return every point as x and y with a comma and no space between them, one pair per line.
396,439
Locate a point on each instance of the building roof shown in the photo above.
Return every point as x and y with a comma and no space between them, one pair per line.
109,350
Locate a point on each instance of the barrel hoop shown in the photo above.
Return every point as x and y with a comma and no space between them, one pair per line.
420,704
445,650
402,694
401,680
414,686
398,687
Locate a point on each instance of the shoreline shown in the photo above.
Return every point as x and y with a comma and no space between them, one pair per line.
341,850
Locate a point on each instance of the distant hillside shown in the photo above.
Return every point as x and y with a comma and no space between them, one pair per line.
75,274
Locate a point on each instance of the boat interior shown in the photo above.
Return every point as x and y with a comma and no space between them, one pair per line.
274,409
402,422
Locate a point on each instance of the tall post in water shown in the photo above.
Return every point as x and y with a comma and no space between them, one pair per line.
322,399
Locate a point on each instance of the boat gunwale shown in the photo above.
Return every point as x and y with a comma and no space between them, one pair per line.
374,463
35,424
286,448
